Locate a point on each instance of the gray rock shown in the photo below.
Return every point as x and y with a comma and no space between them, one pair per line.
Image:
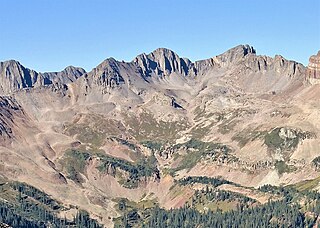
14,76
235,54
162,62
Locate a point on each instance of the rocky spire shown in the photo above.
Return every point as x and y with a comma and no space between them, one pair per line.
313,71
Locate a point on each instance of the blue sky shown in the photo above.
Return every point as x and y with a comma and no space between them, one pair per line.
48,35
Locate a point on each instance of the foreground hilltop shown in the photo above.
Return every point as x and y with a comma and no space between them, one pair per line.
150,132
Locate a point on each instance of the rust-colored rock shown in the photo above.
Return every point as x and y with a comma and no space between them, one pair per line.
314,66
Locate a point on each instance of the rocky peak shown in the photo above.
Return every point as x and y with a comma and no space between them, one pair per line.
313,71
74,71
14,76
68,75
278,65
162,62
107,74
235,54
107,65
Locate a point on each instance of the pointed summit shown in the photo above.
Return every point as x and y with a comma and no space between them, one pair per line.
164,52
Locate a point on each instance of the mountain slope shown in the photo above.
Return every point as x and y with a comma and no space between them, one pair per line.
134,129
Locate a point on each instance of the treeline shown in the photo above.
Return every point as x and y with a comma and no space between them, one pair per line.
292,209
146,167
272,214
35,193
210,194
153,146
204,147
31,215
27,206
213,181
311,199
75,162
124,142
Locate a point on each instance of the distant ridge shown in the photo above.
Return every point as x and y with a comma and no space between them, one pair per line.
160,63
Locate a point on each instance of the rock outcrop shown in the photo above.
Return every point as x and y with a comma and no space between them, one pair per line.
313,71
277,65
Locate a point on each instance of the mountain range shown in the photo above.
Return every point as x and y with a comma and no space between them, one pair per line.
137,130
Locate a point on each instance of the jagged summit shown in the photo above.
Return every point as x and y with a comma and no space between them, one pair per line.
157,65
163,62
247,49
235,54
68,75
14,76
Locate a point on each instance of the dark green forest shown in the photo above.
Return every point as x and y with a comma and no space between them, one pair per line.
30,207
286,210
22,205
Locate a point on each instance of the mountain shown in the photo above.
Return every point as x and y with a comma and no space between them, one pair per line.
127,141
14,77
162,62
68,75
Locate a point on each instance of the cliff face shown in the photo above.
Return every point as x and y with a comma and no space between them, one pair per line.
313,71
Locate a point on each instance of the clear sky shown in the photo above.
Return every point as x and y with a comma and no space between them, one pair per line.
48,35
